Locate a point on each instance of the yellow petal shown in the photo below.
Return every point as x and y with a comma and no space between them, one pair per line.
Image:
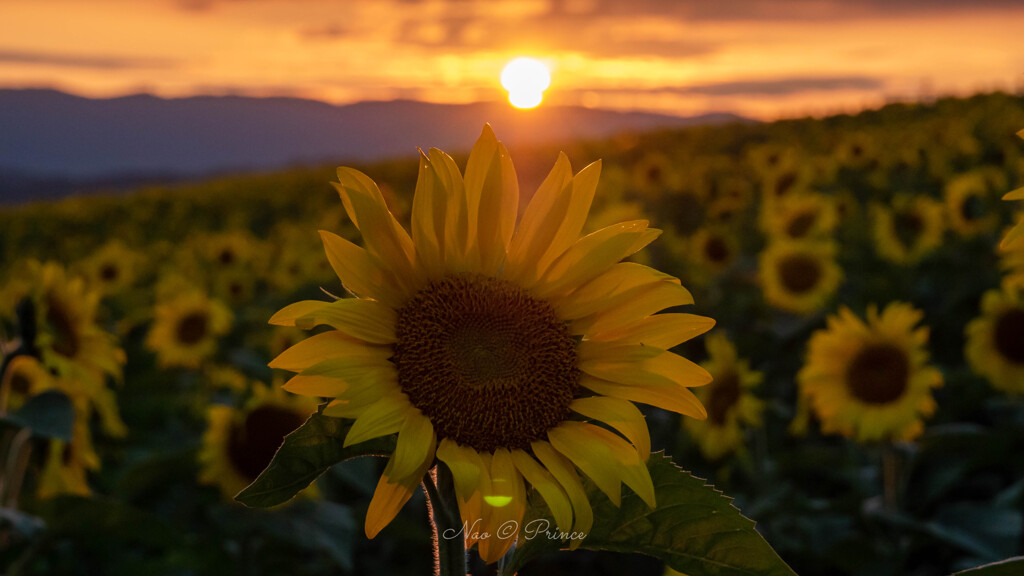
589,457
393,492
428,214
357,371
316,386
609,290
548,488
385,238
1017,194
461,251
367,320
504,507
563,471
635,305
668,397
415,438
492,193
383,417
661,370
660,331
287,315
325,346
621,415
359,272
589,257
542,219
581,196
465,465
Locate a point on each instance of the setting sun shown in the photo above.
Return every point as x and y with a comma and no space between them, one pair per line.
525,79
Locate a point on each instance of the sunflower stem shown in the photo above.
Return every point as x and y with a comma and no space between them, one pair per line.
449,539
891,476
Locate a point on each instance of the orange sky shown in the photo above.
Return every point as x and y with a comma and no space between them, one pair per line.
762,59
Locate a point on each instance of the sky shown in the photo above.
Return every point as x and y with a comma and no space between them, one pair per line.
753,57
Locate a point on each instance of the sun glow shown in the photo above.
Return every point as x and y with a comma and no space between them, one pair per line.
525,79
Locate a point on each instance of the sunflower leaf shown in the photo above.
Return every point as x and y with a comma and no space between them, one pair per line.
695,529
48,415
306,454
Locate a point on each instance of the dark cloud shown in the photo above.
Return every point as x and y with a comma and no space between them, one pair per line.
80,60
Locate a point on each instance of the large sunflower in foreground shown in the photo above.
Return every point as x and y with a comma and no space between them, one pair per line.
871,380
995,340
477,339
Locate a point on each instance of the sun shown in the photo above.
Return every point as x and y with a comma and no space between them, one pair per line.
525,79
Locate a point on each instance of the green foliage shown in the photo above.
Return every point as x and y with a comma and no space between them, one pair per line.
47,415
306,454
695,529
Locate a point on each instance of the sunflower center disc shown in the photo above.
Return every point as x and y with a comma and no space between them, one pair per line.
878,374
717,250
489,366
108,272
909,226
192,328
65,339
252,445
1009,335
724,395
799,273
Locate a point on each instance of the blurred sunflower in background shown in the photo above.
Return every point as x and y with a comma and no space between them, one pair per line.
730,400
186,328
801,216
995,340
240,442
714,250
23,378
871,381
112,268
799,277
477,339
909,230
969,201
1013,237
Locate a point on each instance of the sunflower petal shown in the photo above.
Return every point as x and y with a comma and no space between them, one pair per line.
392,492
590,256
357,371
636,304
414,439
668,397
626,367
286,316
589,456
324,346
563,471
492,193
367,320
1017,194
358,271
428,215
660,330
620,414
542,219
548,488
465,465
383,417
609,289
584,184
504,505
322,386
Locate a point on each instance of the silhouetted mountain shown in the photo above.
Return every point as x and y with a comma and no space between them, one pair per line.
49,137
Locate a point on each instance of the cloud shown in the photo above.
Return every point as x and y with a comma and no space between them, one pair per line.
780,87
97,62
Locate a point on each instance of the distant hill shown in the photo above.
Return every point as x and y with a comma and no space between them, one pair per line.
52,143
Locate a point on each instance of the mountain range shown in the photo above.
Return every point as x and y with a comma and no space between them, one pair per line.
53,143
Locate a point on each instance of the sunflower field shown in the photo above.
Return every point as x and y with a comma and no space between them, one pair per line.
201,379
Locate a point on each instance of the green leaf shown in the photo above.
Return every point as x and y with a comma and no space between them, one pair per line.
1009,567
695,529
48,415
306,454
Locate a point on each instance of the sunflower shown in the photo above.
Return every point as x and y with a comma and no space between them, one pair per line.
476,339
654,174
799,277
871,381
730,400
995,340
64,472
908,231
801,216
24,377
239,443
1013,237
112,268
68,339
713,249
969,201
186,328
